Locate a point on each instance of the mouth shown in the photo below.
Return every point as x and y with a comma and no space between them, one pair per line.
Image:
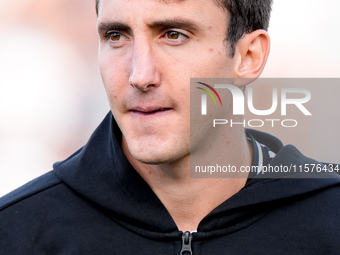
150,111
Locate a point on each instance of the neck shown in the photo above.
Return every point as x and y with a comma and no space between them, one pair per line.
189,200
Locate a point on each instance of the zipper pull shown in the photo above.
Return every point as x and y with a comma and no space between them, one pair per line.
186,243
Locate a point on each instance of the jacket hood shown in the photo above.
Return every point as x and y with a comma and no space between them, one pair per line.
101,174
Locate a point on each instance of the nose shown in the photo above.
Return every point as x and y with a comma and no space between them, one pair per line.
144,74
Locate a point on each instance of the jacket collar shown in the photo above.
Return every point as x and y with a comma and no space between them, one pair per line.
100,173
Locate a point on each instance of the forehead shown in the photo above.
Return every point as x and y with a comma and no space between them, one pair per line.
204,11
218,2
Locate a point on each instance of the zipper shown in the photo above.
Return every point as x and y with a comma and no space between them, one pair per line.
186,243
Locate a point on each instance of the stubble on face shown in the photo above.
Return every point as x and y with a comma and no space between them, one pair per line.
155,123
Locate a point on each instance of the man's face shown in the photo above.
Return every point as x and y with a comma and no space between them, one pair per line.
148,52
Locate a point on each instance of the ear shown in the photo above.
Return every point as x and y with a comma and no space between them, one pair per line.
251,54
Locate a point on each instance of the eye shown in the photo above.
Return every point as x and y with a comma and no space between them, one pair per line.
175,38
175,35
116,39
114,36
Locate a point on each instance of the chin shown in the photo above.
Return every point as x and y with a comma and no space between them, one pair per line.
157,155
157,150
153,158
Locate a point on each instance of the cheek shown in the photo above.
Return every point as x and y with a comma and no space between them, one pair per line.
108,71
114,74
114,79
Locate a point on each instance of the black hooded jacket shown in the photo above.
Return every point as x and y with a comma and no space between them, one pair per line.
96,203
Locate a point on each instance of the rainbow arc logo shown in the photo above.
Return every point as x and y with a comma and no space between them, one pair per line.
209,93
204,97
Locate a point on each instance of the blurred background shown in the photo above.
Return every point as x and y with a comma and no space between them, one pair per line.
52,97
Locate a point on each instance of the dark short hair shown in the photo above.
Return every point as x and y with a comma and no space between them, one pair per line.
245,16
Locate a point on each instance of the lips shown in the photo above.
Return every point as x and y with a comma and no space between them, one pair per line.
154,110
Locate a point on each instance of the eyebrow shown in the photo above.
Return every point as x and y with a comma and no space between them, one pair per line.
182,23
105,26
175,23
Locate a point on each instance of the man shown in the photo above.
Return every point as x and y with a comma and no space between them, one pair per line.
129,191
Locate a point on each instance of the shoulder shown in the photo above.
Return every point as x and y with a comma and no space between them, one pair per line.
32,188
